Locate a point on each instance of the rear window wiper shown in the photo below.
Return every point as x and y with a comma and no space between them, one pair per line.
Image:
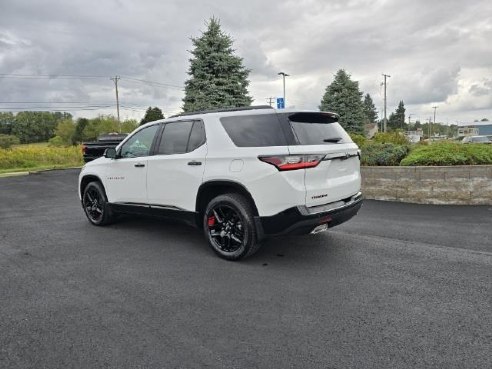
333,139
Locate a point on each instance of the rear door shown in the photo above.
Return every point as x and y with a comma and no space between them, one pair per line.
337,176
175,172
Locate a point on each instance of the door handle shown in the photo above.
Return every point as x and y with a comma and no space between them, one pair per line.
139,165
193,162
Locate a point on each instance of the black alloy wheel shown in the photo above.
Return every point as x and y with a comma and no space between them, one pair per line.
229,227
225,227
95,205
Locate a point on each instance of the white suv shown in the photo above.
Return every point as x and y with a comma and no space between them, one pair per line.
239,174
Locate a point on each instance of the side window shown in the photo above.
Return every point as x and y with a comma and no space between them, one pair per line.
175,138
197,136
254,130
140,143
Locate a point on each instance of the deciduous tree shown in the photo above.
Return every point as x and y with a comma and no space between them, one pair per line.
151,115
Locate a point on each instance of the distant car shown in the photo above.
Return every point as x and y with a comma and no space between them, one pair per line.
94,150
477,139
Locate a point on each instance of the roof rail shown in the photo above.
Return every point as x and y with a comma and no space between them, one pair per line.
223,110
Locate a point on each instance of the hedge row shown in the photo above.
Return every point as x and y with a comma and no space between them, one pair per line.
449,153
392,149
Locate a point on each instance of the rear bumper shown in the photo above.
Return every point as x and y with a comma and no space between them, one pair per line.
302,220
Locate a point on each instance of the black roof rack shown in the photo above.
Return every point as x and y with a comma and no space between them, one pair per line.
223,110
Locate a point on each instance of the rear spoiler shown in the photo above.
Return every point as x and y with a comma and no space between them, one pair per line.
314,117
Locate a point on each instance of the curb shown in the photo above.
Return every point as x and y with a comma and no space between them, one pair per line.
26,173
14,174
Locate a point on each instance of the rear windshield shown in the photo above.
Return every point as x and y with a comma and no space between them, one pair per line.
317,129
254,130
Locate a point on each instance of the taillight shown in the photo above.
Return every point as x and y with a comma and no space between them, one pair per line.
83,149
292,162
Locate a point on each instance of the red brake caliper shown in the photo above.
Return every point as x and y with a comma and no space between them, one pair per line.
211,221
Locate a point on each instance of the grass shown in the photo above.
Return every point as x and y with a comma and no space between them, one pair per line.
22,158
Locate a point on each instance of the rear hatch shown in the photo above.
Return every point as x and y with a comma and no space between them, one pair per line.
337,176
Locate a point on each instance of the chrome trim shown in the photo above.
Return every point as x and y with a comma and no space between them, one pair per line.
332,206
341,156
131,204
166,207
151,206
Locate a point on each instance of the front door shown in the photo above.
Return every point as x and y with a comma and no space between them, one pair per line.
126,177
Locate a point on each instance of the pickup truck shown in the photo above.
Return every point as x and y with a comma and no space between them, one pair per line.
94,150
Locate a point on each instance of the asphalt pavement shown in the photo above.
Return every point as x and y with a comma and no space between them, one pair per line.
399,286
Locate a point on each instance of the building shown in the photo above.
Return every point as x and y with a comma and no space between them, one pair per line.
474,129
414,136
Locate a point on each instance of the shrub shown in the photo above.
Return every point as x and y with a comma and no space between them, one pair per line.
391,137
7,141
360,140
56,141
449,153
376,153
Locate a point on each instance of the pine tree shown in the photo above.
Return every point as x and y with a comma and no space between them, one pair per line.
370,112
152,114
343,97
397,119
217,77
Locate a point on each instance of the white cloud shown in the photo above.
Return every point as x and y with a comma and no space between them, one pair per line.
428,48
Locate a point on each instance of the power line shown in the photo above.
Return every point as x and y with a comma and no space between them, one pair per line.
55,107
47,76
153,83
45,108
46,102
74,76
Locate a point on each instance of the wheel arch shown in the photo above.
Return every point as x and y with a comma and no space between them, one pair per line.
88,179
210,189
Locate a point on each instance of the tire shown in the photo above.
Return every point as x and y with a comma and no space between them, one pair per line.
229,227
95,204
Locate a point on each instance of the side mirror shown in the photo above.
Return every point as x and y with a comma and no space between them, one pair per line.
110,153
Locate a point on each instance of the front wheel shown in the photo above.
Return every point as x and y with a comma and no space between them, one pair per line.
95,204
229,227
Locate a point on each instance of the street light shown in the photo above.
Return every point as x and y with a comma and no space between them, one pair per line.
283,79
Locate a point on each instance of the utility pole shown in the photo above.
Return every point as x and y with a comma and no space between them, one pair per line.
385,120
270,100
115,79
434,107
409,116
283,78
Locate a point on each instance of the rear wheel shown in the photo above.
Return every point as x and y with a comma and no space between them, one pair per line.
229,227
95,204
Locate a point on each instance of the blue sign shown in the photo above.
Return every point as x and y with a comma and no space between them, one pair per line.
280,103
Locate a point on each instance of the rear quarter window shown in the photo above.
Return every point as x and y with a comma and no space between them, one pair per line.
254,130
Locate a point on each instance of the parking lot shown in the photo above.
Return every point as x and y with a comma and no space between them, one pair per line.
399,286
